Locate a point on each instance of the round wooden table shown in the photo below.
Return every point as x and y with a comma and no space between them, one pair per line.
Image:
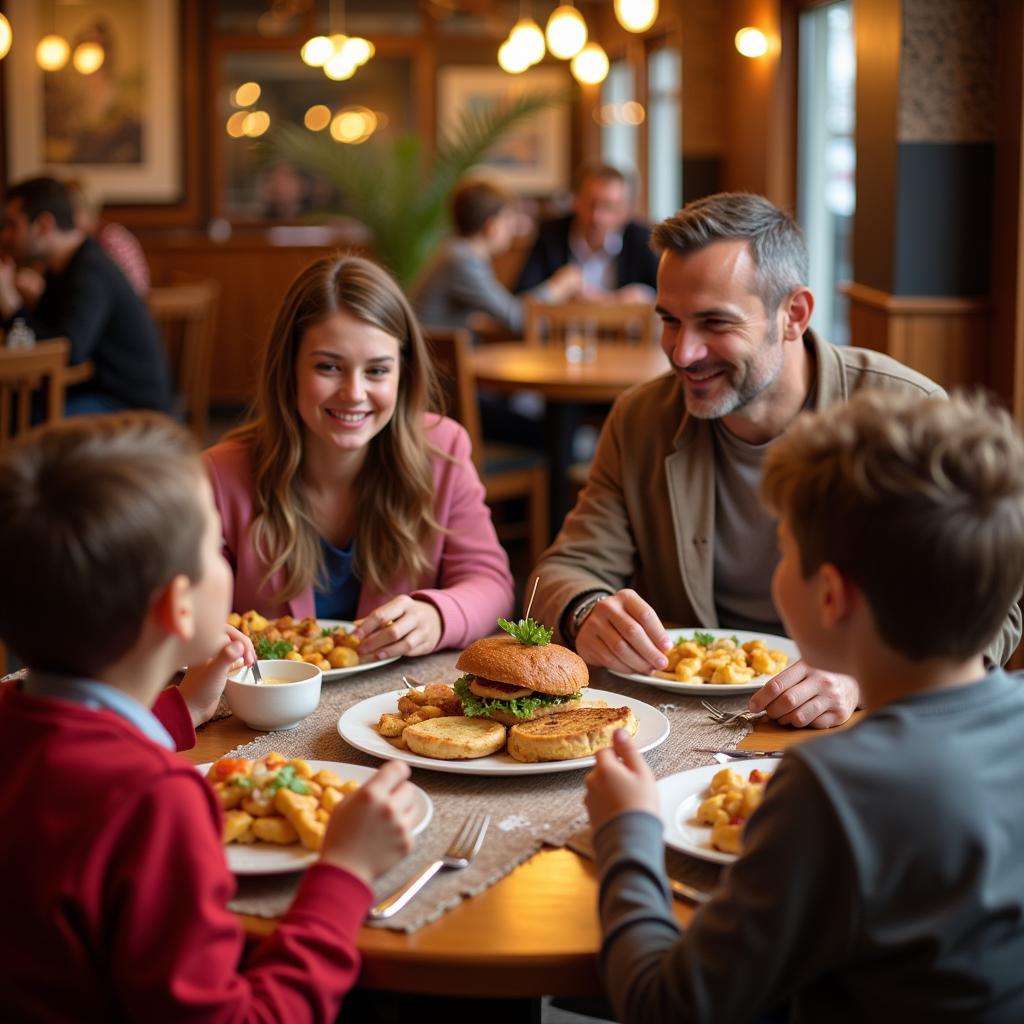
516,366
534,933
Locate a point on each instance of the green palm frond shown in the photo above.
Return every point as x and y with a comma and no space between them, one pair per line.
392,189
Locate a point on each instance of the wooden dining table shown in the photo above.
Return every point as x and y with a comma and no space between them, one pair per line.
567,387
533,933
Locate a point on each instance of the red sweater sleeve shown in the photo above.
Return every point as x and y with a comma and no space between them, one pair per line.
173,714
175,945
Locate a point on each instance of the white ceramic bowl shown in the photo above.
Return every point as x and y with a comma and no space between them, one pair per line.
275,707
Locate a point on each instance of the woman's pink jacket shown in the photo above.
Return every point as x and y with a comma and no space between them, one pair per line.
469,583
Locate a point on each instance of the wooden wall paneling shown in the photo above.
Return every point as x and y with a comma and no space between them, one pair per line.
254,277
946,338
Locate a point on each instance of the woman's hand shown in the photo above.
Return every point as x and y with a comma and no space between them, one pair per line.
203,684
402,626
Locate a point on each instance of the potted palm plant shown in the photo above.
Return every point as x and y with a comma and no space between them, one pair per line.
393,188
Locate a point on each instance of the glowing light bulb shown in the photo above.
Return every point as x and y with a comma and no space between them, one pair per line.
317,118
88,57
354,125
339,67
316,51
566,32
636,15
751,42
528,40
511,59
246,94
235,124
590,65
5,37
255,123
358,50
52,52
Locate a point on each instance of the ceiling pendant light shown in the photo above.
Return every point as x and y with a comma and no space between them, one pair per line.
6,37
512,58
88,57
751,42
590,65
528,39
52,52
636,15
566,32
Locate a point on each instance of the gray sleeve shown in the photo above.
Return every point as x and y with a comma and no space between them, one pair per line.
784,915
1007,638
473,284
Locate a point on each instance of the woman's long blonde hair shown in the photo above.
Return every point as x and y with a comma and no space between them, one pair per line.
394,487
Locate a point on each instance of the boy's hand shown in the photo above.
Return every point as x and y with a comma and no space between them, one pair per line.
400,627
619,782
800,695
371,831
203,684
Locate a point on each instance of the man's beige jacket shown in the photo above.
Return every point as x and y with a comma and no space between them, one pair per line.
646,518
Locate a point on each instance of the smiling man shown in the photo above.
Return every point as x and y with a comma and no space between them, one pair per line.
669,526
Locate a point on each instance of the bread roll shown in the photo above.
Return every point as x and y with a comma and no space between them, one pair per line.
568,734
455,739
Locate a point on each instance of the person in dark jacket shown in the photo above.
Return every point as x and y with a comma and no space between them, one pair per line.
86,299
612,251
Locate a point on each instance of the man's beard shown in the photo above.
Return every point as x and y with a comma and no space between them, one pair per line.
745,383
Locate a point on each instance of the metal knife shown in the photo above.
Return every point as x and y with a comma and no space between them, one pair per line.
742,755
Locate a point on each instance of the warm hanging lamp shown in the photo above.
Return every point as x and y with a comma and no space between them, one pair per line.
566,32
636,15
590,65
5,37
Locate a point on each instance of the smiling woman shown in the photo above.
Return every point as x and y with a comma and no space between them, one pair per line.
344,498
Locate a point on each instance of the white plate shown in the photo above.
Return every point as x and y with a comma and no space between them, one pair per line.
775,643
341,673
269,859
358,726
681,794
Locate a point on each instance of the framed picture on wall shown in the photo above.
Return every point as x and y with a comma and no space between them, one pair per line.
108,110
531,160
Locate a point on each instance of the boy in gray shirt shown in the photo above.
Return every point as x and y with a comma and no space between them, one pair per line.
883,876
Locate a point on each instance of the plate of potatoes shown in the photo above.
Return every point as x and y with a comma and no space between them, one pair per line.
326,643
276,808
719,662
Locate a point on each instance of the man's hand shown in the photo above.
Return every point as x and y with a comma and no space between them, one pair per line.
565,283
399,627
31,285
635,293
203,684
623,633
10,298
620,781
800,695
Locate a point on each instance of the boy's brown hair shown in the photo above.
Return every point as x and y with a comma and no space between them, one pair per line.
474,203
920,503
98,513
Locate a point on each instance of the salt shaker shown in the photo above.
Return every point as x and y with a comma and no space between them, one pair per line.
20,335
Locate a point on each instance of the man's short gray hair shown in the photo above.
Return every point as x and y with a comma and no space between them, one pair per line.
776,241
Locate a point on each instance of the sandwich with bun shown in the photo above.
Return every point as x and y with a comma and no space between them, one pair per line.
519,677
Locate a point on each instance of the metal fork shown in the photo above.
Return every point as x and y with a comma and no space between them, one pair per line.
463,849
724,718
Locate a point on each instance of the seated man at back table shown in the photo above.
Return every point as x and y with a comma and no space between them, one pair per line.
669,526
86,299
612,251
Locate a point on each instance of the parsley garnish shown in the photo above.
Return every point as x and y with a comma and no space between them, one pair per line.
269,650
241,781
704,639
326,631
527,632
287,779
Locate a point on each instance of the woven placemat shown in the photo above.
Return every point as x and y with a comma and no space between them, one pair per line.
526,812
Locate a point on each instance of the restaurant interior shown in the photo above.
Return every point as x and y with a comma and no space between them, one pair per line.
239,141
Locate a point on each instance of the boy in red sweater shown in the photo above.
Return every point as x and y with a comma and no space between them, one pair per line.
116,886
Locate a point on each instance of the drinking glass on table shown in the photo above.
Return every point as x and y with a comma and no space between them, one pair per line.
580,342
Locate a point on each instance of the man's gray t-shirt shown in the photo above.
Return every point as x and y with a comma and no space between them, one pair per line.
746,549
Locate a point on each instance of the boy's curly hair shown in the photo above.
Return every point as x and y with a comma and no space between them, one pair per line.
918,501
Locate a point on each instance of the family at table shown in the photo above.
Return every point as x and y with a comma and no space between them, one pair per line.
765,481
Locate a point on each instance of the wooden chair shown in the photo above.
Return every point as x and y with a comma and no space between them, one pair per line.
22,371
186,316
507,471
547,323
